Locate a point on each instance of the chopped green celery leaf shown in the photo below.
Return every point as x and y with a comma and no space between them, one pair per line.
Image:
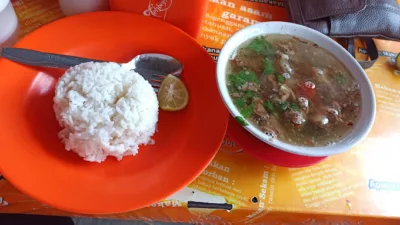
235,80
247,111
250,76
339,77
285,105
281,79
269,106
251,94
241,121
295,107
239,103
268,67
242,77
261,46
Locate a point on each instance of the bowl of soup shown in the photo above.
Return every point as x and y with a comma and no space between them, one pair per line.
295,89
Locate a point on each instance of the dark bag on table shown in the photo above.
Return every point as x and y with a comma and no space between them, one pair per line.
350,19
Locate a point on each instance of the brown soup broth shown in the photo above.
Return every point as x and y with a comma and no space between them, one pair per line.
293,90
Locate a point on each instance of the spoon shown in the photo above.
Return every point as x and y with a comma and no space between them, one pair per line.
149,63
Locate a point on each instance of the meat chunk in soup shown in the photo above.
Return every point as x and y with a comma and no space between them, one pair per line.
295,117
293,90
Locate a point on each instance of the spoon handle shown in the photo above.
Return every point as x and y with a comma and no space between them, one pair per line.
36,58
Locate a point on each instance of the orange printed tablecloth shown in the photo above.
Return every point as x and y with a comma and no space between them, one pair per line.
361,186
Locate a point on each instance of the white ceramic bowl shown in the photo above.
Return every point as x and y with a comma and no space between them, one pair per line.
360,130
8,24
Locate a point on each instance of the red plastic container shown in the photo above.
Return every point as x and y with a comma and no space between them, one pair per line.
187,15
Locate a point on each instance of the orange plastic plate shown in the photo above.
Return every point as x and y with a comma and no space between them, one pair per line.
34,160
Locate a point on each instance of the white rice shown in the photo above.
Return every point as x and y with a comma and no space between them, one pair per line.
105,110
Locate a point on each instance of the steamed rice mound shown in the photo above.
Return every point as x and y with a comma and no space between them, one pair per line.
105,110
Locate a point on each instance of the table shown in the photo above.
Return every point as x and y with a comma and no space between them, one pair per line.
361,186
